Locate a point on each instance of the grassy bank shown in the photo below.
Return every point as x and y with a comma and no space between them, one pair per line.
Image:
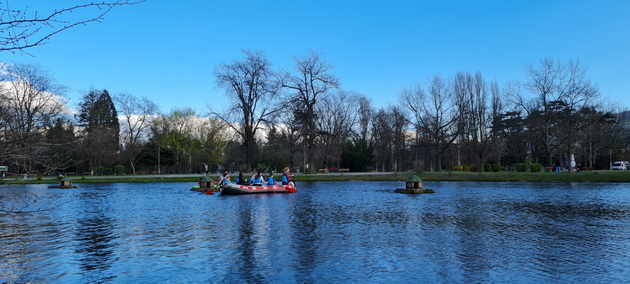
590,176
596,176
104,179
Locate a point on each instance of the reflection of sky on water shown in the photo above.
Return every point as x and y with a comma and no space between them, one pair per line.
327,232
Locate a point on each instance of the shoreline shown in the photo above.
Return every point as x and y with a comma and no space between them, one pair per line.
589,176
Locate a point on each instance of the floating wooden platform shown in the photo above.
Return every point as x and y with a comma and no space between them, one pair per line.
414,191
64,186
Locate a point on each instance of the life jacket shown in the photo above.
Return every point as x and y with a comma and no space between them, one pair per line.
271,180
257,180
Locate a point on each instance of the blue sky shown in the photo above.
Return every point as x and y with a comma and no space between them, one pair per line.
167,50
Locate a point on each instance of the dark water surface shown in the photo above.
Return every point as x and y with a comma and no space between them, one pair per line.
328,232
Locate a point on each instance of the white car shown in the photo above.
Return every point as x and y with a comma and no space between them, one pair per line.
621,166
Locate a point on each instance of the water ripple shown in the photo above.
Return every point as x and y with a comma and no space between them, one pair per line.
328,232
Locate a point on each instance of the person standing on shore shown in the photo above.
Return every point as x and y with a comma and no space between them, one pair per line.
558,167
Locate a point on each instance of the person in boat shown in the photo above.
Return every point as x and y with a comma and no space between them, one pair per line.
271,180
225,178
215,184
286,176
240,179
257,179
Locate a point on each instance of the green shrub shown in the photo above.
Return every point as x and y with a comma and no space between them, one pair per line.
486,167
496,168
39,178
535,167
108,171
521,167
99,171
467,168
458,168
119,169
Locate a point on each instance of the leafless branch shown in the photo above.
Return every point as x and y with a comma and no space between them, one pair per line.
23,29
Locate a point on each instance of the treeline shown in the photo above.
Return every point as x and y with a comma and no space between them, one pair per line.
304,119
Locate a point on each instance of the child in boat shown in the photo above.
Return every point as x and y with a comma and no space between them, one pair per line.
240,179
271,180
257,179
225,178
286,176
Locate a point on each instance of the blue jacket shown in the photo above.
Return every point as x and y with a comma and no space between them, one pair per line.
226,181
255,180
271,181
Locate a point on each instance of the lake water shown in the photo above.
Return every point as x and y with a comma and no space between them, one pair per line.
328,232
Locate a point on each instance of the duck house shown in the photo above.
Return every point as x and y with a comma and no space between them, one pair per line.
413,182
413,185
206,184
65,183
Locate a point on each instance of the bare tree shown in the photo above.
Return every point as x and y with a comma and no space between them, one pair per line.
497,110
389,138
358,149
434,117
30,103
559,91
478,118
23,27
312,80
287,135
601,129
251,87
337,117
577,94
138,115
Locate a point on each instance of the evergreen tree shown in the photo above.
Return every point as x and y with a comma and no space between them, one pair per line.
99,119
357,155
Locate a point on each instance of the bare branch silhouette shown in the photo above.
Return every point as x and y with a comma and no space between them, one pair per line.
21,29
